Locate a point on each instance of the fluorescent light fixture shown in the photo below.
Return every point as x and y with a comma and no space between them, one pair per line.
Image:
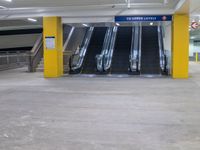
129,4
32,20
117,24
151,23
8,0
85,25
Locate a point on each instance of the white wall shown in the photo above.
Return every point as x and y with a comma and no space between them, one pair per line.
194,47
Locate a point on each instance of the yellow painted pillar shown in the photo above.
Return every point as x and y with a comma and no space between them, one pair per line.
53,47
180,46
197,57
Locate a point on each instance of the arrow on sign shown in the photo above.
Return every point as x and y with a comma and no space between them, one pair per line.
194,25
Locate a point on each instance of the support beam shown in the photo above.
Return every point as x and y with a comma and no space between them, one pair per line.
180,50
53,57
183,7
197,57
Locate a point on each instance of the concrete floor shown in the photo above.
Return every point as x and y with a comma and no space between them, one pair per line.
99,113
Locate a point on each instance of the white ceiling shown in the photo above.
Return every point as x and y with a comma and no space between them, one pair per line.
195,7
97,10
80,11
87,11
61,3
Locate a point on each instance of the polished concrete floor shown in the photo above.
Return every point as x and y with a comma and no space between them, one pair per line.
80,113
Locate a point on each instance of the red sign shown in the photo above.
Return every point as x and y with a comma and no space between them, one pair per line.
164,18
194,25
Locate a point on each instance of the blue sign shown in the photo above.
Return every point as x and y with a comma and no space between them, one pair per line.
143,18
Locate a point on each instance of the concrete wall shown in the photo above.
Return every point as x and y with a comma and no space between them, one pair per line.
66,31
13,41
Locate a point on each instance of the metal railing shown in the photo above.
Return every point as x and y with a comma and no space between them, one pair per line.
76,59
12,59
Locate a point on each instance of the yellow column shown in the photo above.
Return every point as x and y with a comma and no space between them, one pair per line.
53,47
180,48
197,57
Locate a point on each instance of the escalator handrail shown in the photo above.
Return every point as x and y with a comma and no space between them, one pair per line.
131,57
105,48
108,56
163,57
140,47
164,52
134,55
83,50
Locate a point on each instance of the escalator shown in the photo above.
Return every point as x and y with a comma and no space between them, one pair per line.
94,48
77,59
120,60
150,57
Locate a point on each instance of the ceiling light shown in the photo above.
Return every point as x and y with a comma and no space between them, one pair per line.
85,25
128,3
2,7
117,24
32,20
151,23
8,0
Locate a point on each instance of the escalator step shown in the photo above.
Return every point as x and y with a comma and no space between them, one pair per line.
120,60
150,51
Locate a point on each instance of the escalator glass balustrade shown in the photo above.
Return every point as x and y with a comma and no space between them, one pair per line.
94,48
76,60
129,50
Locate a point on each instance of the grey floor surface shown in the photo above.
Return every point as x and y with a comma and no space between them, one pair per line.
99,113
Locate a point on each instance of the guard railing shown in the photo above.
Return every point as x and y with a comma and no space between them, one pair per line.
12,59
